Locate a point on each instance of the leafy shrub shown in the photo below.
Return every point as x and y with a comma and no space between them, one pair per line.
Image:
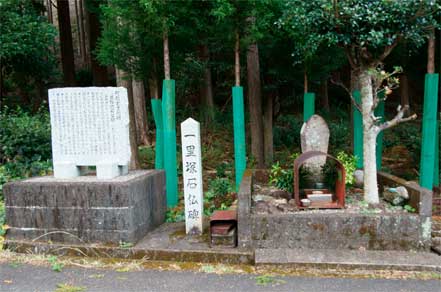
24,137
350,164
282,178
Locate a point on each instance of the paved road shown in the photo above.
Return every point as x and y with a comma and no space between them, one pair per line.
34,278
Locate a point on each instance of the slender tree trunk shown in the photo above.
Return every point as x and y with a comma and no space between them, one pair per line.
50,16
237,60
140,112
83,42
268,129
153,81
370,132
122,79
78,22
404,89
66,48
431,53
305,81
99,72
324,94
207,88
255,104
166,57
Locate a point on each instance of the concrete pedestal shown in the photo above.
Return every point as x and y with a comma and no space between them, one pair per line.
86,209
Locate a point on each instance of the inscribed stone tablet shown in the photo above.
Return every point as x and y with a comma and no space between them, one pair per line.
90,126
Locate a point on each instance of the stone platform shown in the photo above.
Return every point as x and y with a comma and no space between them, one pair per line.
86,209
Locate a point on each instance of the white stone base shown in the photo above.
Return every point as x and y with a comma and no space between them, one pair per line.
66,170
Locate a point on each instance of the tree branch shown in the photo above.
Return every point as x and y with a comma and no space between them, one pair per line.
398,118
388,49
340,83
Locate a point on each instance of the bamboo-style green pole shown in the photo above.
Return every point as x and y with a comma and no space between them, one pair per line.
159,146
379,112
240,162
436,173
358,130
169,120
427,164
308,105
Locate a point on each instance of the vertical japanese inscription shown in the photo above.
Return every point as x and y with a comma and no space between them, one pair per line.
192,171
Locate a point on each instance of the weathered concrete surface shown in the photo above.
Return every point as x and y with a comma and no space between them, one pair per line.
86,209
402,231
166,243
347,259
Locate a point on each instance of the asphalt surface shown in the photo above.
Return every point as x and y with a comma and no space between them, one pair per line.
35,278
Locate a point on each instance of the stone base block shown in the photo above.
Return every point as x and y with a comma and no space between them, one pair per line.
86,209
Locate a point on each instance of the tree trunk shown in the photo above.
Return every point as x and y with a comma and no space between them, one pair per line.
268,129
255,104
123,80
77,22
324,95
83,41
99,72
140,113
370,132
305,81
207,87
153,81
237,60
431,53
50,16
404,89
66,48
166,57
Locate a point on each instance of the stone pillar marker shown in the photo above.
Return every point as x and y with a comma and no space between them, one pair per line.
192,172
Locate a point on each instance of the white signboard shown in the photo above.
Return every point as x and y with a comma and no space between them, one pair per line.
192,170
90,127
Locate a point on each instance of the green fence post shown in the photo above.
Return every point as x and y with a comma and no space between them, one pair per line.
308,105
429,131
240,162
436,173
358,130
169,120
379,112
159,146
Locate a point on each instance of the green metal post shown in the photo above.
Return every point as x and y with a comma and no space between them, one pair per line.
379,112
429,131
240,162
159,146
169,120
308,105
436,173
358,130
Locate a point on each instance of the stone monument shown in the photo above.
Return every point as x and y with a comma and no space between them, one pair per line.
90,127
192,171
314,136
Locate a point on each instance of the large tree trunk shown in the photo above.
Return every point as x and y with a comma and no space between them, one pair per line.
140,113
66,48
153,81
50,16
370,132
255,104
99,72
122,79
207,88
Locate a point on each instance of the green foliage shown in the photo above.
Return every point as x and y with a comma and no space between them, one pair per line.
56,266
176,214
282,178
350,164
25,145
409,209
69,288
26,39
123,244
219,196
